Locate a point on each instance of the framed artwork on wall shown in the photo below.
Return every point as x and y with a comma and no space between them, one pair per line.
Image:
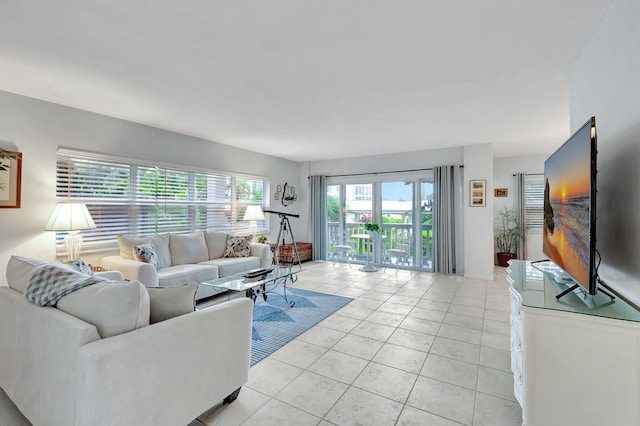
477,193
286,194
10,178
501,192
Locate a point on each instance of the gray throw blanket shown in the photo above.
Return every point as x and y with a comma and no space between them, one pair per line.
52,281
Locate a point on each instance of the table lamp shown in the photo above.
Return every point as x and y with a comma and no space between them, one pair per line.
71,217
253,214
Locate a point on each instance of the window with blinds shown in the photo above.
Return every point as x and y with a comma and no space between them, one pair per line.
137,199
534,200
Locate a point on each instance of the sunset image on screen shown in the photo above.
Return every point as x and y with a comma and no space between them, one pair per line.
567,206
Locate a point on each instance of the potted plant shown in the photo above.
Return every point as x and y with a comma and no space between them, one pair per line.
262,239
508,232
372,227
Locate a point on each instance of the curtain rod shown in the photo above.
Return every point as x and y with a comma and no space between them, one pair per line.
382,173
529,174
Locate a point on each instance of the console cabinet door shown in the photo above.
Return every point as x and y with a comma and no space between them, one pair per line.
579,369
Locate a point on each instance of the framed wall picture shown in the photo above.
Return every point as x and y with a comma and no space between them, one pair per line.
478,193
501,192
10,178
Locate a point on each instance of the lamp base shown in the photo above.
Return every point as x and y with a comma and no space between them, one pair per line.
73,244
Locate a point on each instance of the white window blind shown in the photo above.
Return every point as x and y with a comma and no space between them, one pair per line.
534,200
125,197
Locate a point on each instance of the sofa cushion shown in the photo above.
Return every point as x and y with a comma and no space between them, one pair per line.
160,243
216,243
234,265
113,307
188,248
19,270
146,253
238,246
170,302
183,274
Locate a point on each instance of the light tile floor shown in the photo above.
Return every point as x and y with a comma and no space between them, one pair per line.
412,349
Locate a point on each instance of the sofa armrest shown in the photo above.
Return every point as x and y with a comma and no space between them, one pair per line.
132,270
38,353
167,373
263,251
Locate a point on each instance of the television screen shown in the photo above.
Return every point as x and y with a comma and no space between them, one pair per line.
569,206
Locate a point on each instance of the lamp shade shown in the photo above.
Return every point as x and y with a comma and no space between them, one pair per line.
70,216
253,213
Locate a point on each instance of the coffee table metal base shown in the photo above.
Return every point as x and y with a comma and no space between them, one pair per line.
264,288
258,286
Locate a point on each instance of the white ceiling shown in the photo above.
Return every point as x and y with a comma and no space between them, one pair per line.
309,80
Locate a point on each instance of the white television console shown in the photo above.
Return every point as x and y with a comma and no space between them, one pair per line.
576,361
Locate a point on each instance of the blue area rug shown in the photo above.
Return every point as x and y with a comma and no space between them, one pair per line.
275,324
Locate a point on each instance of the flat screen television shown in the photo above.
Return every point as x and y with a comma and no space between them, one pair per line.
569,234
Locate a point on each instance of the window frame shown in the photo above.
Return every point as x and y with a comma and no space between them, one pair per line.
128,196
534,200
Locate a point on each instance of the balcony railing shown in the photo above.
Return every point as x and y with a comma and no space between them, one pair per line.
420,252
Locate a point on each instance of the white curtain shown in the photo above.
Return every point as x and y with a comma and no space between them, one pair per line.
521,212
446,188
318,216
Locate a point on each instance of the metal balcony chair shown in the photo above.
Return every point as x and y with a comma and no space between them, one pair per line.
342,248
400,250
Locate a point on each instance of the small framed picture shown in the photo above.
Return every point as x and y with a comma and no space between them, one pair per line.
276,196
279,188
501,192
10,179
477,193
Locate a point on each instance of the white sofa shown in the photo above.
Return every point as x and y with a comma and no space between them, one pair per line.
58,370
184,258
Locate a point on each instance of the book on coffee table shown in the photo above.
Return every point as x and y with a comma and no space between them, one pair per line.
257,272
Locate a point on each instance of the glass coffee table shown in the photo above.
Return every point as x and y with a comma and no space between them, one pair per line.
258,285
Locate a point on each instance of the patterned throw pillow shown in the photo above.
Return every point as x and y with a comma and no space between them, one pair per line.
81,266
146,253
239,246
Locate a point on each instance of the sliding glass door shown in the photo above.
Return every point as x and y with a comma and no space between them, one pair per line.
401,204
397,213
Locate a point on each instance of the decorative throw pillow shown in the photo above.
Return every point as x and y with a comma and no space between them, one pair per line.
146,253
82,267
169,302
238,246
160,243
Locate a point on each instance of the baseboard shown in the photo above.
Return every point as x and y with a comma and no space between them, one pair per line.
479,277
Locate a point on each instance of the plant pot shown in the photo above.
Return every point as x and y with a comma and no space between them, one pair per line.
504,258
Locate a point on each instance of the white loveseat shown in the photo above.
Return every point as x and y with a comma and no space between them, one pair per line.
184,258
59,371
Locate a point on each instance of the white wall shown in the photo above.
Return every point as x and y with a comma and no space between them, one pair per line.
37,128
503,170
478,221
604,83
387,163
